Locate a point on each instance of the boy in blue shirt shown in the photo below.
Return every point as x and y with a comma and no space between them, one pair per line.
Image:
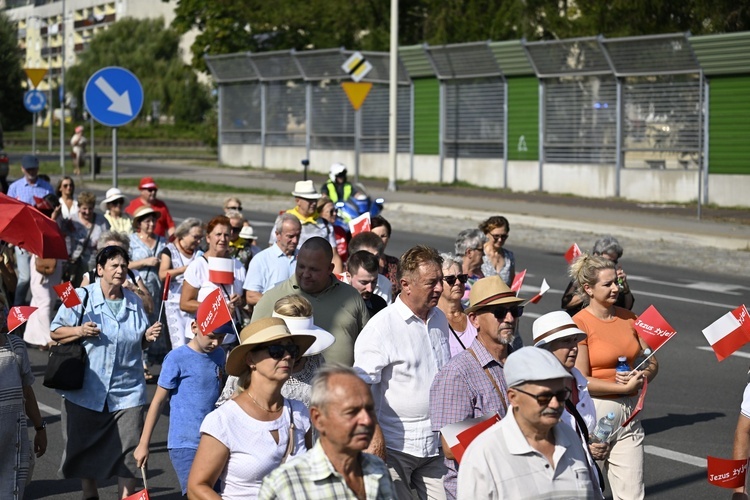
191,378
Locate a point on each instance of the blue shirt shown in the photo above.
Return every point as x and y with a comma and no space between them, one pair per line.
21,190
194,380
269,268
114,370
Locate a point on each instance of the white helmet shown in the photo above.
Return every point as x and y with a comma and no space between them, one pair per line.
336,170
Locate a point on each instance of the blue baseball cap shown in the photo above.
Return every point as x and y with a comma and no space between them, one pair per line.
29,161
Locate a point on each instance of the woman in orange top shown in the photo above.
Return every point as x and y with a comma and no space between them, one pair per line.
611,334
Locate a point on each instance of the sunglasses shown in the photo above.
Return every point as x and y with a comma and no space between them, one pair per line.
151,190
451,278
500,312
276,351
544,398
239,209
499,236
66,185
117,202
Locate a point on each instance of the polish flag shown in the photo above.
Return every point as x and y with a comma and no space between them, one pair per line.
167,282
213,312
220,271
360,224
67,294
344,277
518,282
18,316
460,434
728,333
573,253
726,473
653,328
542,290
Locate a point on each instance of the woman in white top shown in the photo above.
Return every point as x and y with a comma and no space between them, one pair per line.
462,332
247,437
66,189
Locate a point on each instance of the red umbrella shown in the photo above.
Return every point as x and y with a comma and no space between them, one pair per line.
26,227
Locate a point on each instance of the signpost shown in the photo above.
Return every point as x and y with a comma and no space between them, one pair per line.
114,97
357,67
34,100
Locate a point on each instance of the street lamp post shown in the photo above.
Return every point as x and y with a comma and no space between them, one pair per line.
62,95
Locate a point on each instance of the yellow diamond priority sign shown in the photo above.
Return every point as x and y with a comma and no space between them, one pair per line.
356,92
36,75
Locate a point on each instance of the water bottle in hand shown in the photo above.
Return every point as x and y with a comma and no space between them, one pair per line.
604,428
640,359
622,365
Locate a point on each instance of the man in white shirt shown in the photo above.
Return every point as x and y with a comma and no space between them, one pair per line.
398,353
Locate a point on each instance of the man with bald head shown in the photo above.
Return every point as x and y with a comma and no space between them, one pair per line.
337,307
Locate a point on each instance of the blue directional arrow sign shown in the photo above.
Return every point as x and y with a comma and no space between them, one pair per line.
113,96
34,101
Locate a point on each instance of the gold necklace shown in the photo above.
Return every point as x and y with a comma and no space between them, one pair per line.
263,407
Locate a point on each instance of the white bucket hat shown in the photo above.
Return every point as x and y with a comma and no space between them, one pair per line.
553,326
112,195
306,190
305,326
247,233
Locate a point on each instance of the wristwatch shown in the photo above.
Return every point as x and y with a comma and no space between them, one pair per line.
41,427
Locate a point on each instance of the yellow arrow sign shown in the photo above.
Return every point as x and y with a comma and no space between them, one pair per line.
36,75
356,92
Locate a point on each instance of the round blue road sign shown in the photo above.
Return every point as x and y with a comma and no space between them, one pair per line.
34,100
113,96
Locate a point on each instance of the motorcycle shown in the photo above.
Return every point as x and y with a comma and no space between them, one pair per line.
358,204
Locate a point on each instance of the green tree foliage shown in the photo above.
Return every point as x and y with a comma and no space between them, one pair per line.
151,52
13,114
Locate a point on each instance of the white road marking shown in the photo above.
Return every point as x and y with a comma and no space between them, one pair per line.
739,354
675,455
640,293
54,412
704,286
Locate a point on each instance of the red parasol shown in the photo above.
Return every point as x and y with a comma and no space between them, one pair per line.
26,227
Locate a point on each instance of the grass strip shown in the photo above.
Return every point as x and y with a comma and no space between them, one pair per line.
205,187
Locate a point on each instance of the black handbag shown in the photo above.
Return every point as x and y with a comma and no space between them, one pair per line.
67,362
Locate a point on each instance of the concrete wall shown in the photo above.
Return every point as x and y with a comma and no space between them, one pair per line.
729,190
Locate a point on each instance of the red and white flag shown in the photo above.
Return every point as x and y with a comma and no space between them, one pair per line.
725,472
542,290
344,277
728,333
573,253
167,282
221,271
653,328
460,434
360,224
213,312
18,316
67,294
518,282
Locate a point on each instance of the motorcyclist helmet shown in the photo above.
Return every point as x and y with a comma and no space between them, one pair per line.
337,170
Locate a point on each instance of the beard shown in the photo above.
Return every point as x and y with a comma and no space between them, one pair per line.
506,339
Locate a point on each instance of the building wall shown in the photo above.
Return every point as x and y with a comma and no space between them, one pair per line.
729,125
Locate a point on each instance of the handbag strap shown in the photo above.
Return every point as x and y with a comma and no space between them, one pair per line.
585,436
85,303
457,338
492,379
290,442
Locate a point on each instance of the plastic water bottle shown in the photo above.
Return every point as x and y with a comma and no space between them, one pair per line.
622,365
640,359
604,428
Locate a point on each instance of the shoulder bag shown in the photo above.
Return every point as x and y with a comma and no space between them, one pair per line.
67,362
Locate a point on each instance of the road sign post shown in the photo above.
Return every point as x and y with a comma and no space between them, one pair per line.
34,101
357,67
114,97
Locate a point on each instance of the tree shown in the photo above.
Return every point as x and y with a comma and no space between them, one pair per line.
151,52
13,115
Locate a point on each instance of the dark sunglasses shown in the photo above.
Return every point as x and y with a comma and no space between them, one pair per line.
118,201
239,209
545,398
500,312
151,190
451,279
276,351
499,236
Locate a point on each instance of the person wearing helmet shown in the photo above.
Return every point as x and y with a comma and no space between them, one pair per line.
337,187
78,143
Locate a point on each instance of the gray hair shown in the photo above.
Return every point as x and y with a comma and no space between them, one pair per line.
319,386
185,226
285,217
122,239
469,238
450,260
607,244
234,214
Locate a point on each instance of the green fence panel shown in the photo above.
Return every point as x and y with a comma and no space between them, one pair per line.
523,119
426,116
729,125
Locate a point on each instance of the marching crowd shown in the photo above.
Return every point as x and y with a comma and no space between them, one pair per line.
341,366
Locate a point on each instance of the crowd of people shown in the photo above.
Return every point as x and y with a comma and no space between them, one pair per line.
341,365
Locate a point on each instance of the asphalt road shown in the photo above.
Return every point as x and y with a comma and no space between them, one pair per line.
690,411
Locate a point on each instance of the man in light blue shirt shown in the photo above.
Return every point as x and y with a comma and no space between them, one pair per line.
24,190
276,263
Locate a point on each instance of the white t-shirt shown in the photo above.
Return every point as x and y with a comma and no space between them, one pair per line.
253,453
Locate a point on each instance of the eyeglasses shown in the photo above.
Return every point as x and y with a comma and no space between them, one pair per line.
276,351
499,236
119,201
500,312
544,398
239,209
151,190
66,185
451,278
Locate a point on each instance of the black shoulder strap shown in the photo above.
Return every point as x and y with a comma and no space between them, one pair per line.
582,430
85,303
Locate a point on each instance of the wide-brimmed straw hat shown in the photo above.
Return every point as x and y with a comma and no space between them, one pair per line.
553,326
305,326
113,194
490,291
143,211
261,332
306,190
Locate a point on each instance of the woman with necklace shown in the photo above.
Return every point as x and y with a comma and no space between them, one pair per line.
145,245
247,437
173,261
611,334
66,189
462,332
497,259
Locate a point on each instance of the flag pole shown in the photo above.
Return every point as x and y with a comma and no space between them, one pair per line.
650,355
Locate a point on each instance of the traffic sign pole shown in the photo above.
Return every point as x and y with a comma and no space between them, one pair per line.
357,136
114,156
33,133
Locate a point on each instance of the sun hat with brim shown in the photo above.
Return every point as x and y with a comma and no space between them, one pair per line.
261,332
147,183
247,233
530,364
490,291
113,194
553,326
143,211
305,326
306,190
